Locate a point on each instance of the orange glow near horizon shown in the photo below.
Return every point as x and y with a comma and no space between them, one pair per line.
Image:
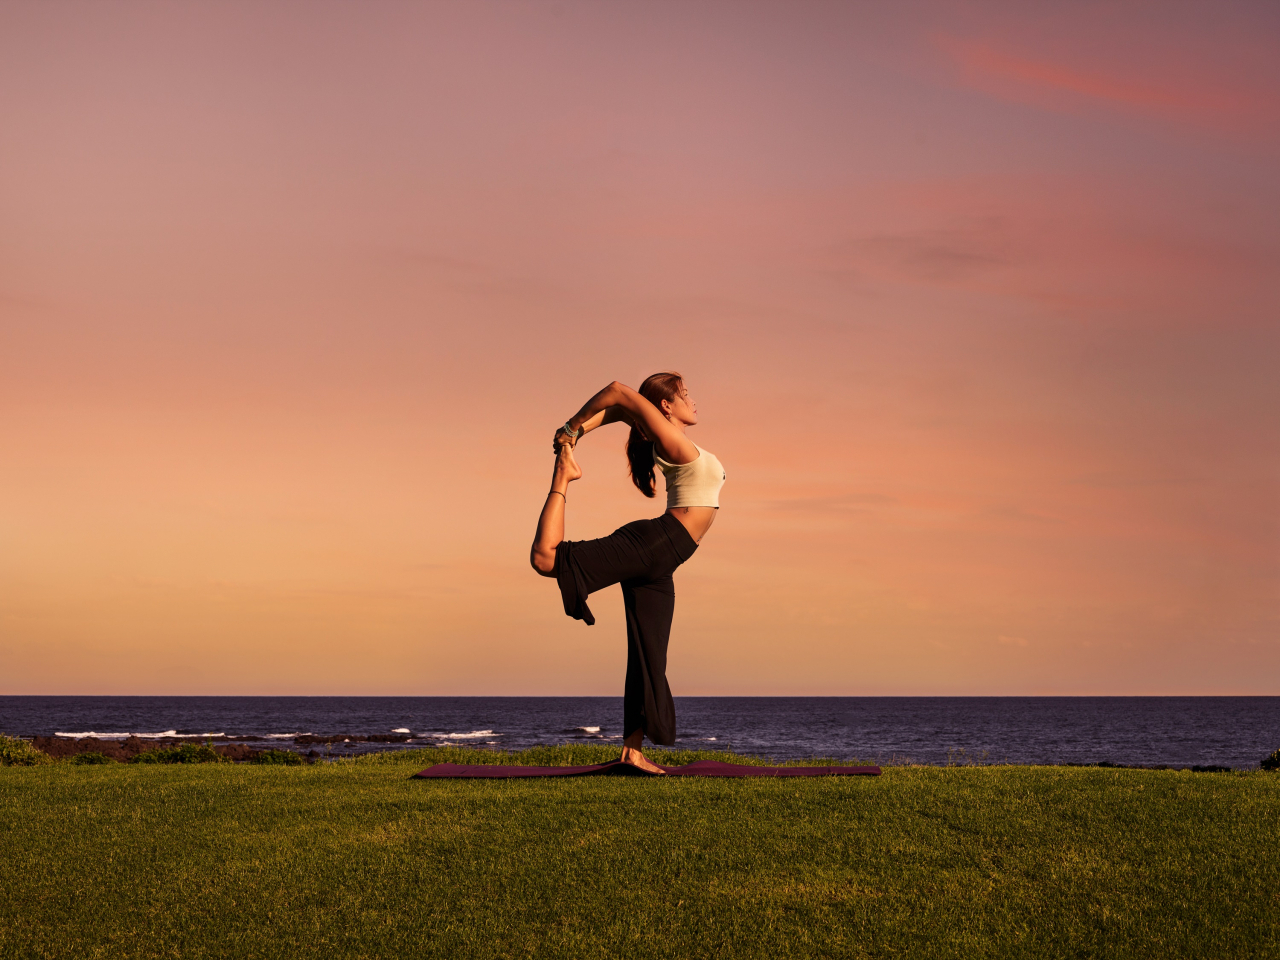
980,310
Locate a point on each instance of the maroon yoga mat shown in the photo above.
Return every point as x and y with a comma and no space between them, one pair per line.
616,768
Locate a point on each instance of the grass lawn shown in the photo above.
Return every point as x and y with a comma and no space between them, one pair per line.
354,859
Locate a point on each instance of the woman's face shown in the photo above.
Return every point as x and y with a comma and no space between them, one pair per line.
682,409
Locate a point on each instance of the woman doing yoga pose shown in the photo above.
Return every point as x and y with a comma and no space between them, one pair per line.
641,555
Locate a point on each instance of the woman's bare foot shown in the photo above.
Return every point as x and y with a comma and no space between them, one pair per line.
633,756
566,466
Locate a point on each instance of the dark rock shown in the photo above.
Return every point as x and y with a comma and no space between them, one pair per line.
61,747
236,751
125,750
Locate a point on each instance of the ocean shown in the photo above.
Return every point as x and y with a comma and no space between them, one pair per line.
1234,732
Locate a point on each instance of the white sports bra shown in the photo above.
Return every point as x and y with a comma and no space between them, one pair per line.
693,484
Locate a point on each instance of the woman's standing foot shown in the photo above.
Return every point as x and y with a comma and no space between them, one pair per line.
632,755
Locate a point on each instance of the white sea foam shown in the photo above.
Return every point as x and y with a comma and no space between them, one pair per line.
589,729
288,736
401,730
140,736
91,733
473,735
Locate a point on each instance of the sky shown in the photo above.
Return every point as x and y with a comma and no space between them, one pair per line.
979,304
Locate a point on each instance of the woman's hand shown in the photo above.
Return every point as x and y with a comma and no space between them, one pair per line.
599,419
610,414
563,437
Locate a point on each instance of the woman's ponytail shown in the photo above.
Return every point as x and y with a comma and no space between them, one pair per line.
655,389
640,459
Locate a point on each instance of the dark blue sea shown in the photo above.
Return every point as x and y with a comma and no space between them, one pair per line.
1232,732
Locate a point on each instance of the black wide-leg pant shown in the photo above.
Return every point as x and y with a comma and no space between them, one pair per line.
641,556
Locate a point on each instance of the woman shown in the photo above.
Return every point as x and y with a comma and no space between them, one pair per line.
644,554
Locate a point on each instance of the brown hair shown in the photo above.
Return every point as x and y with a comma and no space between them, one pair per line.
655,389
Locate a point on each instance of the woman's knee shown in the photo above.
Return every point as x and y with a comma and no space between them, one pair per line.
543,561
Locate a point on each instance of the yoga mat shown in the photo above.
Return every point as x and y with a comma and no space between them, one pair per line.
616,768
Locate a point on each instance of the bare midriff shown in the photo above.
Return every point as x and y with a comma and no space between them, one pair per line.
697,520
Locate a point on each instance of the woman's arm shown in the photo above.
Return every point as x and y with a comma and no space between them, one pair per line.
610,415
672,444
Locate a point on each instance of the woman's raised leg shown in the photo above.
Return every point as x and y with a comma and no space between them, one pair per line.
551,522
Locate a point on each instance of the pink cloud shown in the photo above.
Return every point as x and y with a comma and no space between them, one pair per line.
1059,86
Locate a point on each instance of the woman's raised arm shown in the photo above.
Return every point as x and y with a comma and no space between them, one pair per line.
672,444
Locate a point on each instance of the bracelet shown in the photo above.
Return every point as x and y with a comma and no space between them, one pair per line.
566,499
571,433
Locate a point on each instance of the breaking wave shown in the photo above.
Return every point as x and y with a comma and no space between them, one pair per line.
473,735
167,734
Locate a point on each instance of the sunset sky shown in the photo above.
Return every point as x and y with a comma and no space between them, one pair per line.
979,303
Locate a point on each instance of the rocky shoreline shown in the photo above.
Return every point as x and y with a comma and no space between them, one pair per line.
125,750
234,748
238,749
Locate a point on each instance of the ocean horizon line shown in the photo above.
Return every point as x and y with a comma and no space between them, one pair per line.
686,696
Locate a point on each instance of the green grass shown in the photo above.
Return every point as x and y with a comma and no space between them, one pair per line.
354,859
19,753
183,753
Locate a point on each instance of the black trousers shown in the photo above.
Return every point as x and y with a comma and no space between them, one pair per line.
641,556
